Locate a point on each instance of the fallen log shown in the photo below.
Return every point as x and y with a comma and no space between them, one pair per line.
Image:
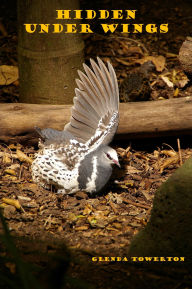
137,119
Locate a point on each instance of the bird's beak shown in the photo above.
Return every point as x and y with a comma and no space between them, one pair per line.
117,163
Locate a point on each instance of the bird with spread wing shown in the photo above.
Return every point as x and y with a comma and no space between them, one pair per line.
79,158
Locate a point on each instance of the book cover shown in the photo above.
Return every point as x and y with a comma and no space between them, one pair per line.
136,231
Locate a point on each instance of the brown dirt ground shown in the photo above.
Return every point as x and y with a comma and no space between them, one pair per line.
105,222
102,224
90,226
111,218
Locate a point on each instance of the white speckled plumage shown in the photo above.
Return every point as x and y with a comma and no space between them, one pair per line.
79,158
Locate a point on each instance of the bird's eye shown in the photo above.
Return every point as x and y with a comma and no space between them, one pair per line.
109,157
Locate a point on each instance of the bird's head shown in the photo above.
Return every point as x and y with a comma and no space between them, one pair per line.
111,156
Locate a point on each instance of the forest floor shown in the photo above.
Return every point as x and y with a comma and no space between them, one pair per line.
104,224
97,223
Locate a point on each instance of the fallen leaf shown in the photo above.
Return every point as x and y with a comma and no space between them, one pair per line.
168,162
180,79
167,81
23,157
23,198
13,146
141,156
132,170
6,158
3,205
114,197
8,74
12,202
170,153
14,166
87,210
181,83
10,172
171,55
176,92
135,49
123,187
122,152
117,225
156,153
113,206
158,61
123,62
146,195
81,228
92,221
110,228
10,177
161,98
72,217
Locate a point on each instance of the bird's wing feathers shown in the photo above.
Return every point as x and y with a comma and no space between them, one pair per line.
94,118
50,135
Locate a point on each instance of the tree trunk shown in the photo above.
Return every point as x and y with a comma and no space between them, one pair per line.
137,119
48,62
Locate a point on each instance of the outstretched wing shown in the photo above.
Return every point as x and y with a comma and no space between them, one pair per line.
50,135
94,117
